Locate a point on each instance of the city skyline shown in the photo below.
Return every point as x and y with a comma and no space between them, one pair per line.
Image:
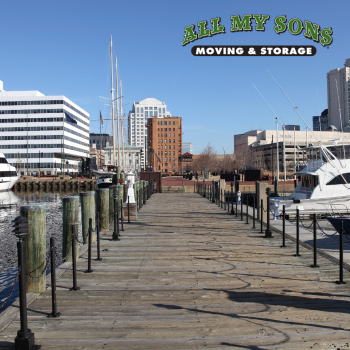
60,52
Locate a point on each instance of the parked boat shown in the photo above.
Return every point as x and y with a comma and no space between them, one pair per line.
324,186
8,174
335,221
103,178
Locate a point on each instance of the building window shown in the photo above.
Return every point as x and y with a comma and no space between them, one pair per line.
151,108
163,110
174,141
173,123
166,159
174,154
146,114
155,113
146,108
174,147
165,141
174,130
165,128
165,147
173,135
169,136
138,110
165,123
141,109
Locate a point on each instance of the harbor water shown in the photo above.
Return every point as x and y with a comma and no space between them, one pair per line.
10,204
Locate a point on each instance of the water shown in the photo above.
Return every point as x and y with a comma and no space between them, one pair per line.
10,204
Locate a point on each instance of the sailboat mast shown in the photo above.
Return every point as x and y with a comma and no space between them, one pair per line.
122,124
118,112
112,104
295,158
284,156
277,155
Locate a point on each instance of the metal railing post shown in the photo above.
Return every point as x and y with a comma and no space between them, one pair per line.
315,241
283,227
341,257
297,235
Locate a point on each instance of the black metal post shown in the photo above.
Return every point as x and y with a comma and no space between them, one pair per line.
253,212
241,207
297,236
54,312
341,257
247,209
236,197
74,261
283,227
268,233
261,215
115,236
98,236
128,210
315,242
89,247
232,211
213,199
122,214
224,200
25,338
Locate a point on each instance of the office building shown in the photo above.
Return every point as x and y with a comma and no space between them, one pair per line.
132,157
42,133
164,145
338,93
320,123
257,149
187,147
137,120
104,139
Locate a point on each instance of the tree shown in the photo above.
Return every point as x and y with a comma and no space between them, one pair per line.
207,159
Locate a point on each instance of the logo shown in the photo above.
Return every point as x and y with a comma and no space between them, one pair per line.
248,23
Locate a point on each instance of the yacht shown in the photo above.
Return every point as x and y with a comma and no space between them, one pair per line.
8,174
103,178
324,186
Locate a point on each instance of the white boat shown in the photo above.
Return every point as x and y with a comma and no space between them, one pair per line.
8,174
103,178
324,186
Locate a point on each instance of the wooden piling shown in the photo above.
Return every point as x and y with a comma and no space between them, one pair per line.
111,204
35,243
70,216
88,209
103,207
120,198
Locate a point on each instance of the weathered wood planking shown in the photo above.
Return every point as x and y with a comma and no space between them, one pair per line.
194,279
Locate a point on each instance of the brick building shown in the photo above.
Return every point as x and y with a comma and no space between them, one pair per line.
164,144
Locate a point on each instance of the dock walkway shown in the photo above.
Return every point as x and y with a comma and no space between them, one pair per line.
187,275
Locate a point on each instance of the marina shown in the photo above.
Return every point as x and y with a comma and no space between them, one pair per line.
203,281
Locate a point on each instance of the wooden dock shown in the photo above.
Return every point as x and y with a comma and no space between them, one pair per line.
187,275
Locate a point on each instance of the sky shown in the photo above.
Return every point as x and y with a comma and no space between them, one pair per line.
62,48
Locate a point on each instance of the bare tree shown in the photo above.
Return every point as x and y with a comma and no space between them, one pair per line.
207,159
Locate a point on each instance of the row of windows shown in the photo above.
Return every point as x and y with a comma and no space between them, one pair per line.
150,108
166,153
45,165
42,137
29,155
165,141
37,120
165,147
48,102
165,129
40,111
43,146
165,122
165,135
166,159
7,173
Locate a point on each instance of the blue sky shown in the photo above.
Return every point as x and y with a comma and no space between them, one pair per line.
61,48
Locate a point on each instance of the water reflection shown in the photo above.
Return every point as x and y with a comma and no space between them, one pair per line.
10,204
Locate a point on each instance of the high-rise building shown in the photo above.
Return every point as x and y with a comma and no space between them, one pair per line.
137,121
187,147
164,146
338,92
46,134
320,123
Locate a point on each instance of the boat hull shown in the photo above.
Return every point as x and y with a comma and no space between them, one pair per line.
6,183
335,221
328,206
